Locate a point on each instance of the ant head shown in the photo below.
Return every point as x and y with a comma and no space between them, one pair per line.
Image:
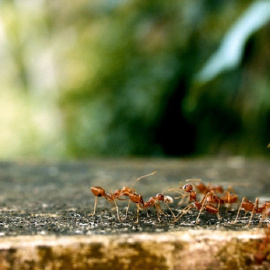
168,199
187,187
160,197
98,191
193,181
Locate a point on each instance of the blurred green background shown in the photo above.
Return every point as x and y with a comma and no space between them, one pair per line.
134,78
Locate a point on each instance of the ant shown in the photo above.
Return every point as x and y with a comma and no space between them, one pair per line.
206,203
138,200
130,192
210,196
266,211
153,201
125,191
100,192
229,196
254,208
203,189
188,188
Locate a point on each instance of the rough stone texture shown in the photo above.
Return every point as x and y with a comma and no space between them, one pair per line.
45,221
177,250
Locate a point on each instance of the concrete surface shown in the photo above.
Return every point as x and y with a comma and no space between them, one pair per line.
45,221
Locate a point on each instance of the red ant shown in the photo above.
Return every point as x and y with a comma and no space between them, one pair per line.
210,196
153,201
206,202
188,188
203,204
125,191
203,189
138,199
129,192
100,192
254,208
229,196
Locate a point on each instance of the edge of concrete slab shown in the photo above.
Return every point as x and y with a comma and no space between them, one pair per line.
194,249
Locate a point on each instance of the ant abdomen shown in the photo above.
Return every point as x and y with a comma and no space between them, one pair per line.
168,199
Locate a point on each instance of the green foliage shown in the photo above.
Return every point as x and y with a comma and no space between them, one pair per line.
95,77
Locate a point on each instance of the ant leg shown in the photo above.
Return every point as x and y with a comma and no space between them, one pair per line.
185,210
138,209
197,219
256,204
159,211
202,207
218,215
147,213
244,198
251,216
261,221
95,205
264,218
170,210
183,198
127,208
158,216
228,193
116,208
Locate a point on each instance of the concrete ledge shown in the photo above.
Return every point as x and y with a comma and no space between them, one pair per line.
200,249
45,221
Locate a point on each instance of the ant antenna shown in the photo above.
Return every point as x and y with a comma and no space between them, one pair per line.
176,189
166,189
193,180
138,179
